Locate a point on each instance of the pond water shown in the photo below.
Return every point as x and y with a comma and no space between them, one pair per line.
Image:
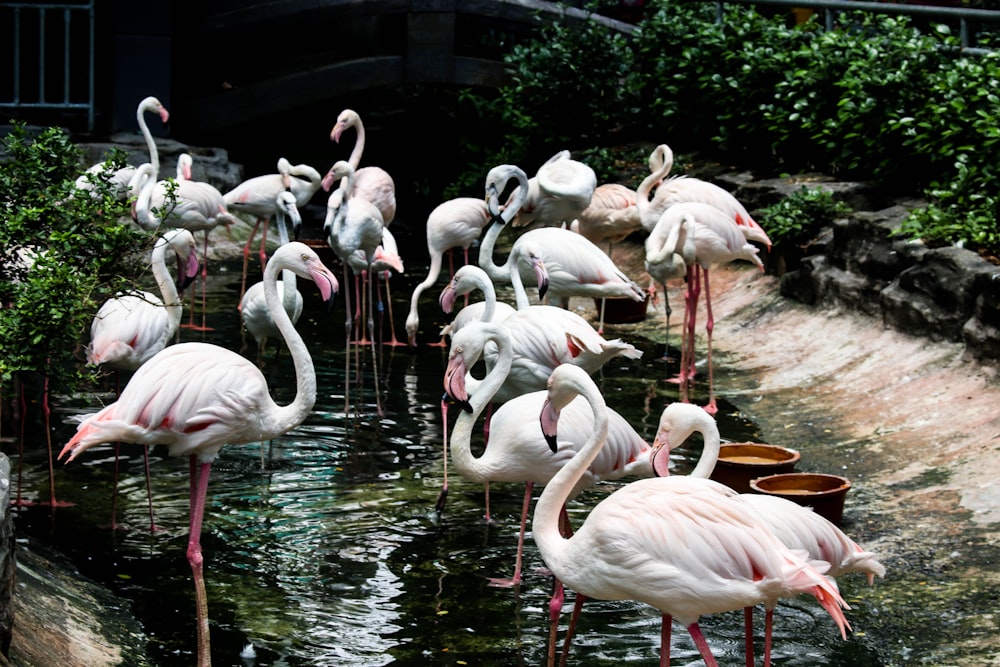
330,552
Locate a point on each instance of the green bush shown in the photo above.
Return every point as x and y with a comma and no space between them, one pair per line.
875,99
61,256
797,219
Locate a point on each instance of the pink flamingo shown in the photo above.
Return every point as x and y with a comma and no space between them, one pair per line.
560,190
257,197
798,527
564,263
710,237
371,183
679,189
517,451
129,329
456,223
629,546
196,398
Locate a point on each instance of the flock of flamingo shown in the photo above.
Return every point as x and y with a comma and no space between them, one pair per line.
685,545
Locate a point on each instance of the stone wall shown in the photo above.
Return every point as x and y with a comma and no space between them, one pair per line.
949,293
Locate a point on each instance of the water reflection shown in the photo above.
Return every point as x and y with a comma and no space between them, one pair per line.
322,547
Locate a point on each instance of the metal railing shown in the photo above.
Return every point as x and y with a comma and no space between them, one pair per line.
831,8
50,48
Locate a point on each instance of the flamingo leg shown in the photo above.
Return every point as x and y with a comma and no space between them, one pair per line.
600,326
571,629
748,632
47,412
702,644
262,252
371,335
666,621
392,326
246,262
199,489
555,608
149,487
516,578
768,635
711,408
443,495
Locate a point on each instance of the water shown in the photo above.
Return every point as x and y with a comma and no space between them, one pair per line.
330,553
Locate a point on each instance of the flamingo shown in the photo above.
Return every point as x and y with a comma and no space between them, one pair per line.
686,546
669,251
798,527
560,190
196,398
254,312
564,263
686,189
130,328
120,178
541,337
256,196
456,223
517,451
372,183
715,240
468,278
610,217
354,223
192,205
381,267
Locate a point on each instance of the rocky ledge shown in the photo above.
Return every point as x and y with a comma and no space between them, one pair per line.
945,294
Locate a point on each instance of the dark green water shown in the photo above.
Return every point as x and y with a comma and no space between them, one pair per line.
331,553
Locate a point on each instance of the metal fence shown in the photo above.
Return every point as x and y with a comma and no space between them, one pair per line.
48,54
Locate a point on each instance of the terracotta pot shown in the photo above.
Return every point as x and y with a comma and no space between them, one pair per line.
622,310
824,493
740,462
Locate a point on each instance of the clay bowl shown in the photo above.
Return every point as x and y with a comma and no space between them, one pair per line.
824,493
622,310
740,462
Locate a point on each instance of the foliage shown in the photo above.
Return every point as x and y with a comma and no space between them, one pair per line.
877,99
797,219
62,254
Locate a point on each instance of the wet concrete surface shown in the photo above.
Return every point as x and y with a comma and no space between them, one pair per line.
914,424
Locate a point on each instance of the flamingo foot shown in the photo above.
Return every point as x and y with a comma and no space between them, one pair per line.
711,408
197,327
442,499
502,582
56,503
440,343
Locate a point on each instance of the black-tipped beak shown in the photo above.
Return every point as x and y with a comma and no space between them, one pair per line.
552,443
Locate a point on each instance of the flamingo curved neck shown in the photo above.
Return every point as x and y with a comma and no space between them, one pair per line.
501,274
305,373
359,144
482,393
710,449
545,524
168,290
154,153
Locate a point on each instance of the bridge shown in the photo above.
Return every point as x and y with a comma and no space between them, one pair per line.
251,60
215,61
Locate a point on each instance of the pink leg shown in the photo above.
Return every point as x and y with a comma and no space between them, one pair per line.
768,634
516,579
443,495
711,408
555,608
665,622
246,262
47,412
199,489
571,629
262,251
748,632
699,641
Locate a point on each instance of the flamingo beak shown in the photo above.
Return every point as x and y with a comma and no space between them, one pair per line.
454,382
660,454
548,419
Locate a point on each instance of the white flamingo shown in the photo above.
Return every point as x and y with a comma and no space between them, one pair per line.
257,197
798,527
560,190
518,451
456,223
683,545
120,178
562,262
195,398
679,189
254,313
372,183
